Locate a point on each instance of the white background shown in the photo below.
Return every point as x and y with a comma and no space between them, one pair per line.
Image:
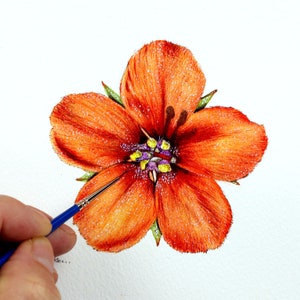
249,51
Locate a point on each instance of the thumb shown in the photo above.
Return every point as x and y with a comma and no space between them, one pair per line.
30,273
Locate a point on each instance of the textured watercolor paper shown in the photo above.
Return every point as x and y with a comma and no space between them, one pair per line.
247,50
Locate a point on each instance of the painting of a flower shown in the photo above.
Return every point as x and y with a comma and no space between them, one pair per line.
167,151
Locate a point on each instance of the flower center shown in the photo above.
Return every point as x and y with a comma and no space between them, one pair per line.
154,156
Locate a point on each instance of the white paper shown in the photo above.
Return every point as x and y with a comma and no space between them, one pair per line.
248,50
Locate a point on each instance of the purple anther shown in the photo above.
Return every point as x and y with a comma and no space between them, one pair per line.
163,162
166,152
152,166
145,156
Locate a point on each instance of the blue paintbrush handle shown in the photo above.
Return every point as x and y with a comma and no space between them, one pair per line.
4,258
56,222
63,217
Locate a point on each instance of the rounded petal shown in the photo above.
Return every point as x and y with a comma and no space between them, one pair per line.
193,213
120,216
90,131
162,86
220,142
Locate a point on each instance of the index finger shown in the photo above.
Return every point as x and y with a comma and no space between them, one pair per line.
19,222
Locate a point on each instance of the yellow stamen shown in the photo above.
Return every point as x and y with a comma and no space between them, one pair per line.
165,145
143,164
164,168
135,155
151,143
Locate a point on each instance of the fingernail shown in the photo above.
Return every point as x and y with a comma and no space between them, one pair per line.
43,253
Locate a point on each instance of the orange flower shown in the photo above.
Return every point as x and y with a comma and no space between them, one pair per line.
167,152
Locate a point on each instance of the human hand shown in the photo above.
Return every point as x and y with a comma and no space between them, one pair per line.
30,273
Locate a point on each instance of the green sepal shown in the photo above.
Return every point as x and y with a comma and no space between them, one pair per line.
156,232
235,182
204,100
112,94
87,176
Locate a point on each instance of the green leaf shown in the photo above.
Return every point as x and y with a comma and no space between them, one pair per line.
87,176
112,94
156,232
204,100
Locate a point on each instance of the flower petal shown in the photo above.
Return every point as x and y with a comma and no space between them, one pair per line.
89,131
193,213
162,79
220,142
122,215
